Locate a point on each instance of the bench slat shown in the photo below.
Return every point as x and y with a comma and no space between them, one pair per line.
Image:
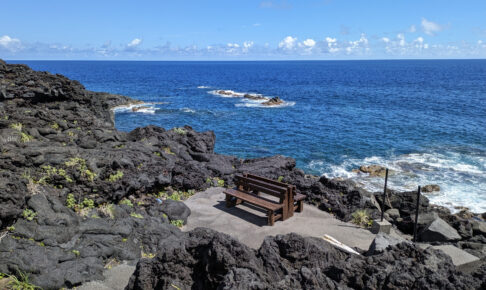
278,183
262,184
299,197
251,198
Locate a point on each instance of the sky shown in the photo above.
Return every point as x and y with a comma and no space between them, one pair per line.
242,30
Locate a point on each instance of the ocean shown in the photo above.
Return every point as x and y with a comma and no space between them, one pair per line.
424,119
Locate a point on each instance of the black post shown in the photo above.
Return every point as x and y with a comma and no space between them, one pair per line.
384,196
416,216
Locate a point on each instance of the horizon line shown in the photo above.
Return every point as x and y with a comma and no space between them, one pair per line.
239,60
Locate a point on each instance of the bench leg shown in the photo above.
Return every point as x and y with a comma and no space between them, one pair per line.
300,206
229,201
270,217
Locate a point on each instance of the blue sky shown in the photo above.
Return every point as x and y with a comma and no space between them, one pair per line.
246,30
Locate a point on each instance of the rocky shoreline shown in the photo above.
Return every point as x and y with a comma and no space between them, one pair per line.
76,196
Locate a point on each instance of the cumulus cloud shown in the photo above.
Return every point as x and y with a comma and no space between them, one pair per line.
429,27
9,43
134,43
412,29
287,43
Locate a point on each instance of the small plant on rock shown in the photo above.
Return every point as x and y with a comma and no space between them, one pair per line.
24,137
19,283
175,196
157,153
117,176
136,215
87,203
126,202
70,201
180,131
168,151
280,178
29,214
55,126
76,252
16,126
361,218
177,223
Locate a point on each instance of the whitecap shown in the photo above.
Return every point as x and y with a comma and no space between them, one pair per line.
260,105
188,110
462,177
142,108
203,87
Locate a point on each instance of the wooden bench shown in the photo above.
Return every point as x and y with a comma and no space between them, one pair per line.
297,198
249,188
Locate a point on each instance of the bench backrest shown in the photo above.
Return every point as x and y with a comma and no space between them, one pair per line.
248,183
249,175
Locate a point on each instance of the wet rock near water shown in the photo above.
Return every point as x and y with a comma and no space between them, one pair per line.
204,259
275,101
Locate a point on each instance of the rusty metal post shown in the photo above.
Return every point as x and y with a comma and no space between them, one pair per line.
416,216
384,196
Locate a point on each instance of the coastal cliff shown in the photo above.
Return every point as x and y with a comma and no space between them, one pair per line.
77,195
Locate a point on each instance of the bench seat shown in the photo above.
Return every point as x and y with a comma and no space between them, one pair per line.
234,197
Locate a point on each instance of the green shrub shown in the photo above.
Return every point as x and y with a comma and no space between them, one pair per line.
361,218
157,153
55,126
11,228
175,196
208,180
71,201
168,151
29,214
136,215
126,202
180,131
21,283
220,182
16,126
24,137
117,176
87,203
280,178
177,223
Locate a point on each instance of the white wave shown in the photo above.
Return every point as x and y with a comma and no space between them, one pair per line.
260,105
187,110
462,177
227,93
142,108
203,87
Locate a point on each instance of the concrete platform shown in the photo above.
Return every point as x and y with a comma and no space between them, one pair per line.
463,261
115,278
248,224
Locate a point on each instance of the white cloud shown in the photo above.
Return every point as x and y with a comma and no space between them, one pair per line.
401,39
385,39
332,44
412,29
134,43
309,42
358,46
256,24
288,43
429,27
8,43
235,45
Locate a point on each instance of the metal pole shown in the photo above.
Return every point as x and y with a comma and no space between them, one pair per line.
416,216
384,196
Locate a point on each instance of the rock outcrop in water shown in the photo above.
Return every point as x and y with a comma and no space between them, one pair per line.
204,259
76,194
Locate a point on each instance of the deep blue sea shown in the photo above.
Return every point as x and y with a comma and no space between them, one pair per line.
425,119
